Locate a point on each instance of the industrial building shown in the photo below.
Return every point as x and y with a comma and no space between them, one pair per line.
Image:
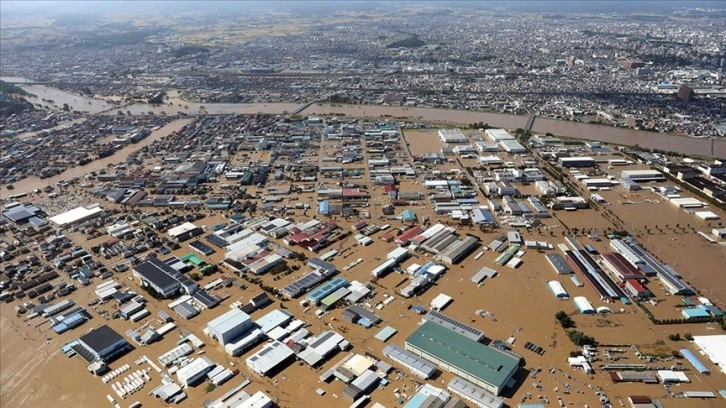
321,347
644,261
642,175
512,146
637,290
621,267
459,249
486,367
559,264
454,325
184,231
77,215
322,291
593,273
416,365
497,135
453,136
229,326
273,319
101,344
713,347
193,372
240,345
269,358
363,384
576,162
163,279
474,394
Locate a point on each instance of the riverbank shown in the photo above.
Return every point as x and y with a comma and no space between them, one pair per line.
578,130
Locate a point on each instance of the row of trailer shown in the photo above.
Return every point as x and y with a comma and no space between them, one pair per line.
132,383
115,373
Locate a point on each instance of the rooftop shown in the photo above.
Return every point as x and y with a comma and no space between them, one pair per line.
101,338
486,363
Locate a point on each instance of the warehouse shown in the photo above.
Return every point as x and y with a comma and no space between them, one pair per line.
184,231
642,175
637,289
416,365
324,290
497,135
559,264
482,216
591,183
452,136
620,266
482,274
269,358
273,319
194,371
686,202
322,347
576,162
229,326
512,146
636,254
558,290
459,249
264,264
474,394
162,278
454,325
486,367
77,215
361,385
583,305
243,344
101,344
713,347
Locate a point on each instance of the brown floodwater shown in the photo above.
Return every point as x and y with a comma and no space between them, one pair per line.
30,183
608,134
578,130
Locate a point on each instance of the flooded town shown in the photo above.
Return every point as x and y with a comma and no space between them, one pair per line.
366,204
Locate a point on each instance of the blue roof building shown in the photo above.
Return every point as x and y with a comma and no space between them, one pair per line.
695,361
408,215
691,313
324,207
482,216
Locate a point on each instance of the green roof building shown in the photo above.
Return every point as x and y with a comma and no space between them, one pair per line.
487,367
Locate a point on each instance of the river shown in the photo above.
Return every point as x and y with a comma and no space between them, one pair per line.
607,134
30,183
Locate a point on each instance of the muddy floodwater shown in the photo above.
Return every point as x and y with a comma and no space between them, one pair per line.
30,183
55,98
607,134
578,130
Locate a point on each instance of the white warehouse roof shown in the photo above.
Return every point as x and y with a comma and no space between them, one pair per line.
181,229
583,305
557,289
714,347
269,357
77,214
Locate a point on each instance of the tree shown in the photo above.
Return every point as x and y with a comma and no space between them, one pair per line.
688,336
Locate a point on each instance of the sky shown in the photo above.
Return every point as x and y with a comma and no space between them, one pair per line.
27,8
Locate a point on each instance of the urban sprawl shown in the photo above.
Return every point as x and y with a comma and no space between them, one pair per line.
441,208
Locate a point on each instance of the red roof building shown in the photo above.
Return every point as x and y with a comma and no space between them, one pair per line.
622,268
